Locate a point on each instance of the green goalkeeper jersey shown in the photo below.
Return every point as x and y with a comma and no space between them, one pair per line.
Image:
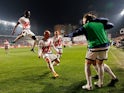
95,34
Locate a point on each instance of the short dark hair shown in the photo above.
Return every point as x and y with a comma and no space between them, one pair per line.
90,16
26,12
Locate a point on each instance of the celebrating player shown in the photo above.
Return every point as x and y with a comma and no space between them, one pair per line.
98,44
25,22
45,51
57,41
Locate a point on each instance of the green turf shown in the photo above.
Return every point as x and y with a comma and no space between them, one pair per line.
22,72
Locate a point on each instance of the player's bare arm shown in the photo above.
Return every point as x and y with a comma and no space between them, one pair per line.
13,32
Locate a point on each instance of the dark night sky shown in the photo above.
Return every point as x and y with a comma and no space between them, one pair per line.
47,13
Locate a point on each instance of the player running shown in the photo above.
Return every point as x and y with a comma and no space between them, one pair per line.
44,50
25,22
58,42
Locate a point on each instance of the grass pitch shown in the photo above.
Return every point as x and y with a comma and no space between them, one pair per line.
22,72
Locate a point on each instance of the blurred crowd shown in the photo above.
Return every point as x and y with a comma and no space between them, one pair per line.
118,42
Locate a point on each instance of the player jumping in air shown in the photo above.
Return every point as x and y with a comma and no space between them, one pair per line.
44,50
25,22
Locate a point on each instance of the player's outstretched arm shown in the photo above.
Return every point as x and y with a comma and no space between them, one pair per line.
15,28
77,32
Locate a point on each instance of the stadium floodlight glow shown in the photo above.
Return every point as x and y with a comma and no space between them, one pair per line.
13,23
7,23
122,12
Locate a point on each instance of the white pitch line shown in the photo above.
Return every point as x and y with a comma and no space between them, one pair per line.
117,60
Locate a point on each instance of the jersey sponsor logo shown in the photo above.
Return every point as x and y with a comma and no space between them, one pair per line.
46,49
57,42
26,24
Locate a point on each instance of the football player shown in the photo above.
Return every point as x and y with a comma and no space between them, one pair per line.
25,22
44,50
57,41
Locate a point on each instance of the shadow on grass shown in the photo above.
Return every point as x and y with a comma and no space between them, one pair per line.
44,74
77,88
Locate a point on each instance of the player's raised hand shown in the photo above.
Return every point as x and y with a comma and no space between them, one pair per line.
13,32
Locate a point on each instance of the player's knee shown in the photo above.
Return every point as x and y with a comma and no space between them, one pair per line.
57,60
47,60
22,35
94,63
89,61
100,62
34,37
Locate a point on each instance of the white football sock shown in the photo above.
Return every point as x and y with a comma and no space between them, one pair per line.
88,74
109,71
100,73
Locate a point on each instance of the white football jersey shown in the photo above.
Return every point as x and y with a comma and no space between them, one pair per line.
6,44
44,46
25,22
57,41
